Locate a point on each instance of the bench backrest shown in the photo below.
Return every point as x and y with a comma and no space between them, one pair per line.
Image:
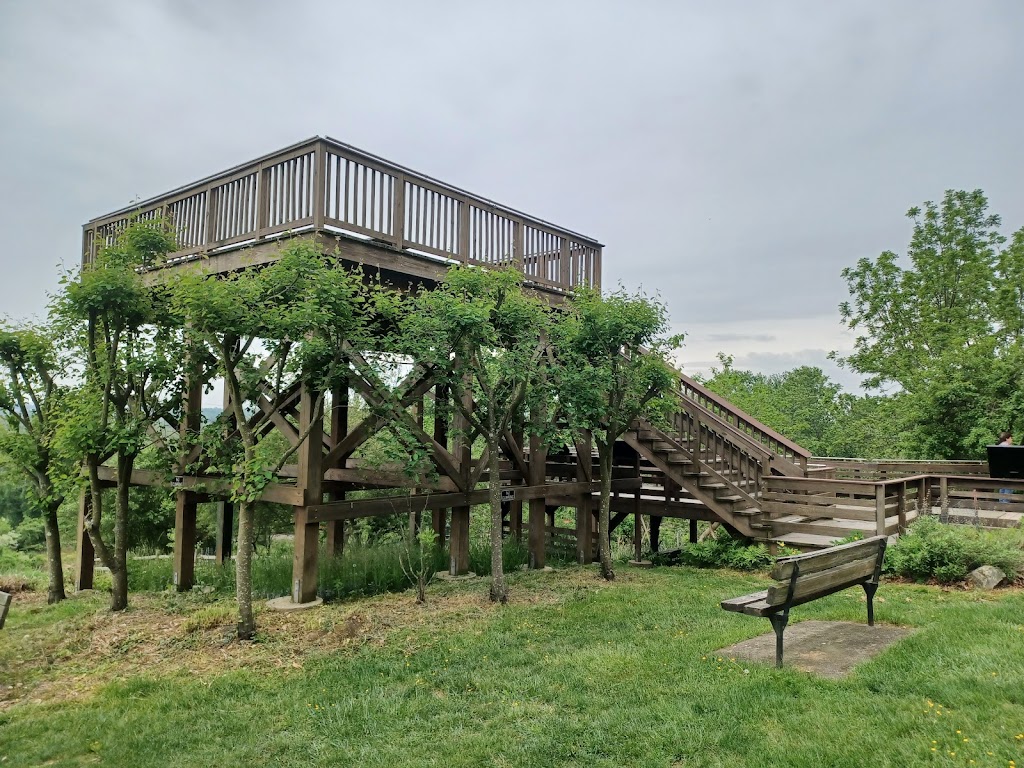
807,577
5,604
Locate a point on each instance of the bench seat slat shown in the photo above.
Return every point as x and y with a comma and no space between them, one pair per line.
736,604
846,575
759,608
813,562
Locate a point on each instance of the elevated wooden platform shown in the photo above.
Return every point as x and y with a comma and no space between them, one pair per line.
365,209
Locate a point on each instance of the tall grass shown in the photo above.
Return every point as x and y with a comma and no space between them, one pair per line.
360,570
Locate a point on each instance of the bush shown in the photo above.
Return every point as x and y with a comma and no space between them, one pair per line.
726,552
947,553
31,533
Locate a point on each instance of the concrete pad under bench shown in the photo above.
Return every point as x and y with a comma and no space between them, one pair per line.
826,648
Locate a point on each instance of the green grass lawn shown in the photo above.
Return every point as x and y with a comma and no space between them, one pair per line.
573,672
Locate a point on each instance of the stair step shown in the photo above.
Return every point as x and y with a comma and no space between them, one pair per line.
806,540
821,527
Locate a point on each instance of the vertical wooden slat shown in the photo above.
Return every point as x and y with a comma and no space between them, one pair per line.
319,182
398,208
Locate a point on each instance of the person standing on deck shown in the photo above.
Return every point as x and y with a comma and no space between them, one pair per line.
1005,438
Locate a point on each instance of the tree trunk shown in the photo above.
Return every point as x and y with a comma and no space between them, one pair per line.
119,569
243,571
499,590
55,591
603,523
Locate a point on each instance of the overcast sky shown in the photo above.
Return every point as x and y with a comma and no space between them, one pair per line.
733,156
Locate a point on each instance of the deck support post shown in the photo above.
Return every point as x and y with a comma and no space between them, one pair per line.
655,533
585,504
225,529
458,548
310,482
334,530
86,564
439,517
184,563
184,568
537,522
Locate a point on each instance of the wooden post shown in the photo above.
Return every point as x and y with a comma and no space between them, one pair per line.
310,481
879,509
944,499
537,509
458,545
516,507
638,521
319,185
693,531
86,565
184,567
225,529
184,563
564,273
463,231
585,505
655,533
901,508
924,494
439,517
225,509
398,220
334,530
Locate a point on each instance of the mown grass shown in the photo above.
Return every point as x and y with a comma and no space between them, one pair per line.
571,673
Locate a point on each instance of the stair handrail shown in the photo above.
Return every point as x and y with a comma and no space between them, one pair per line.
743,421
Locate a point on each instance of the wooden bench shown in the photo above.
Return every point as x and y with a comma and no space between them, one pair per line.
804,578
5,604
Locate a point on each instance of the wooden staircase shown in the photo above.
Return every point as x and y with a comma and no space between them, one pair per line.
718,455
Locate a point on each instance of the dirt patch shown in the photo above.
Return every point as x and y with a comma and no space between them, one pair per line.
163,635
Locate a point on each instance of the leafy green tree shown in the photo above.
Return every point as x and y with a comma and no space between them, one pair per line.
295,319
31,405
613,367
803,404
481,333
129,344
944,330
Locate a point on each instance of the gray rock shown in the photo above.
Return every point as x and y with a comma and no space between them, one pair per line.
986,577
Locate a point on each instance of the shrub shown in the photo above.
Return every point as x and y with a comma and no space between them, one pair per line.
947,553
31,533
726,552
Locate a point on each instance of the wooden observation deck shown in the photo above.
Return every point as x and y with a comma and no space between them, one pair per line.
367,209
710,461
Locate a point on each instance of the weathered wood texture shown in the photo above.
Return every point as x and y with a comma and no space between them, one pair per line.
5,605
326,187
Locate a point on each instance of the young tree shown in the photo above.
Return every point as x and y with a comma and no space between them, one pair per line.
129,346
613,367
482,334
945,330
31,402
302,314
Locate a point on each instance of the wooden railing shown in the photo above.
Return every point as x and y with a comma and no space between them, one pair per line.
884,469
325,185
884,504
787,457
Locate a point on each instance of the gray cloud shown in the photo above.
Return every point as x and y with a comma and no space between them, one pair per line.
741,337
732,156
